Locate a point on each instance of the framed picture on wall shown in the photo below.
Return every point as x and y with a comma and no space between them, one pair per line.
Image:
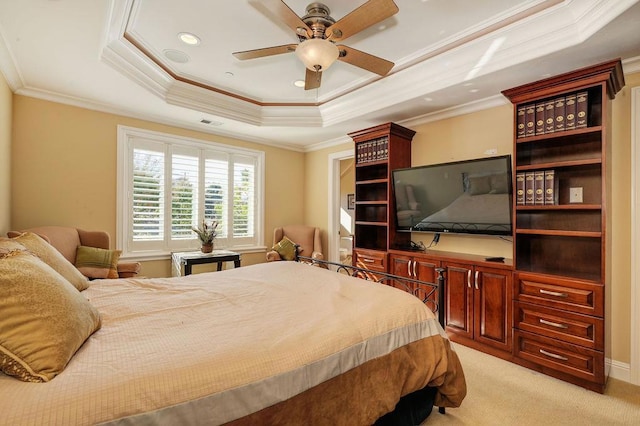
351,201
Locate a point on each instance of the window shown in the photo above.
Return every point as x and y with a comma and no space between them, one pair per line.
168,184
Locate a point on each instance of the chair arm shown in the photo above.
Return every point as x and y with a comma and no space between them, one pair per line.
128,269
273,255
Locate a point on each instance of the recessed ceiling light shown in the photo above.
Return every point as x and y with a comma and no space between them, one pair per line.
176,56
298,83
381,27
188,38
228,74
473,91
427,99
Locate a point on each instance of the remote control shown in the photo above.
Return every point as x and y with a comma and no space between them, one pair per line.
494,259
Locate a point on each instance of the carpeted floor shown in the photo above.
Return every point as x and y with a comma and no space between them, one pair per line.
503,393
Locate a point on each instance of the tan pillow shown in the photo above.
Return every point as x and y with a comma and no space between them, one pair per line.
44,319
95,262
52,257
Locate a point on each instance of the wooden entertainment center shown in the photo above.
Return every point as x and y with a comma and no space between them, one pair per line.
545,308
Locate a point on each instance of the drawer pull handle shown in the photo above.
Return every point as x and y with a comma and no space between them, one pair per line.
556,356
553,293
552,324
368,260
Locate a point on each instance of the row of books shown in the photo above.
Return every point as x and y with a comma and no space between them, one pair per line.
374,150
536,188
554,115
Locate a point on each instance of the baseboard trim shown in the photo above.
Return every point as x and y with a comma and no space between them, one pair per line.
618,370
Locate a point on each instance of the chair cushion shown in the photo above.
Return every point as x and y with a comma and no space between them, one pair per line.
52,257
44,319
97,263
286,248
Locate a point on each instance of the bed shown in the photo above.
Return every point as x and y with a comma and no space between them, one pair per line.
273,343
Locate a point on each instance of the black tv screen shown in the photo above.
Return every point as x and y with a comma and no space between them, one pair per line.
472,197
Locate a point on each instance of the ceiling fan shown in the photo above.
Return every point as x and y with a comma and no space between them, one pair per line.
318,33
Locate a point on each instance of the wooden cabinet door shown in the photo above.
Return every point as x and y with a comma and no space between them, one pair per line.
403,267
425,270
492,307
459,299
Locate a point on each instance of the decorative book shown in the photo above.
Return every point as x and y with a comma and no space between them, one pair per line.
539,119
520,124
559,112
520,188
530,118
549,187
570,112
529,197
549,117
538,187
582,101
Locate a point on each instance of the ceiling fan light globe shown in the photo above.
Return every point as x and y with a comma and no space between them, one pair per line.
317,54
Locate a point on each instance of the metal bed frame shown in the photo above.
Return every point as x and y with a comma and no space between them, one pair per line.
431,294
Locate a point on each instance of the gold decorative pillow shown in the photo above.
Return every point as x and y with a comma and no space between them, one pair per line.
286,248
44,318
95,262
52,257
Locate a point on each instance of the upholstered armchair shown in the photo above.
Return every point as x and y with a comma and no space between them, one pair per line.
67,240
307,238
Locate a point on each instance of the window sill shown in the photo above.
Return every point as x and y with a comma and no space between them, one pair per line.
163,255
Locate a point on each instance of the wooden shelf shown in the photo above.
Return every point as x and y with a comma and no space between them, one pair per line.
560,207
558,233
567,134
559,164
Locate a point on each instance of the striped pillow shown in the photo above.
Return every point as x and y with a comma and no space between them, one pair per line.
95,262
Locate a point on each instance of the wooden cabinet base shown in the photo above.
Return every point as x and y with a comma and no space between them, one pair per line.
572,363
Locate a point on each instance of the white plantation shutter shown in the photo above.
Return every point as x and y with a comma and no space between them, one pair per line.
168,184
148,195
185,170
216,195
243,196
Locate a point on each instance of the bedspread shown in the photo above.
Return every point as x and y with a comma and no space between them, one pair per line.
262,340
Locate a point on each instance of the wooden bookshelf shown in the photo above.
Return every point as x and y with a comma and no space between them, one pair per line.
561,250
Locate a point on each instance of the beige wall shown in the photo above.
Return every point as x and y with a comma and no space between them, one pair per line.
6,102
64,171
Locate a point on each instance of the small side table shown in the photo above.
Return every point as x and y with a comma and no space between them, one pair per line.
190,258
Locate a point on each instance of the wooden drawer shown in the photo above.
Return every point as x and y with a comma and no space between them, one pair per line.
371,259
577,361
571,295
569,327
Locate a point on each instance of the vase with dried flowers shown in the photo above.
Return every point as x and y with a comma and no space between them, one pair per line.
207,232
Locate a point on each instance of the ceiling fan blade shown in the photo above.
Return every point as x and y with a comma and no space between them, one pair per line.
267,51
364,60
363,17
312,79
288,16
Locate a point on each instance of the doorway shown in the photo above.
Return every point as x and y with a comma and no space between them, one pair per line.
341,215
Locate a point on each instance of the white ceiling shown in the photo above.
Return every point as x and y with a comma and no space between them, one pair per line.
450,56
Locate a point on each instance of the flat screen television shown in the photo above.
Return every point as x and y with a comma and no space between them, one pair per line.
471,197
